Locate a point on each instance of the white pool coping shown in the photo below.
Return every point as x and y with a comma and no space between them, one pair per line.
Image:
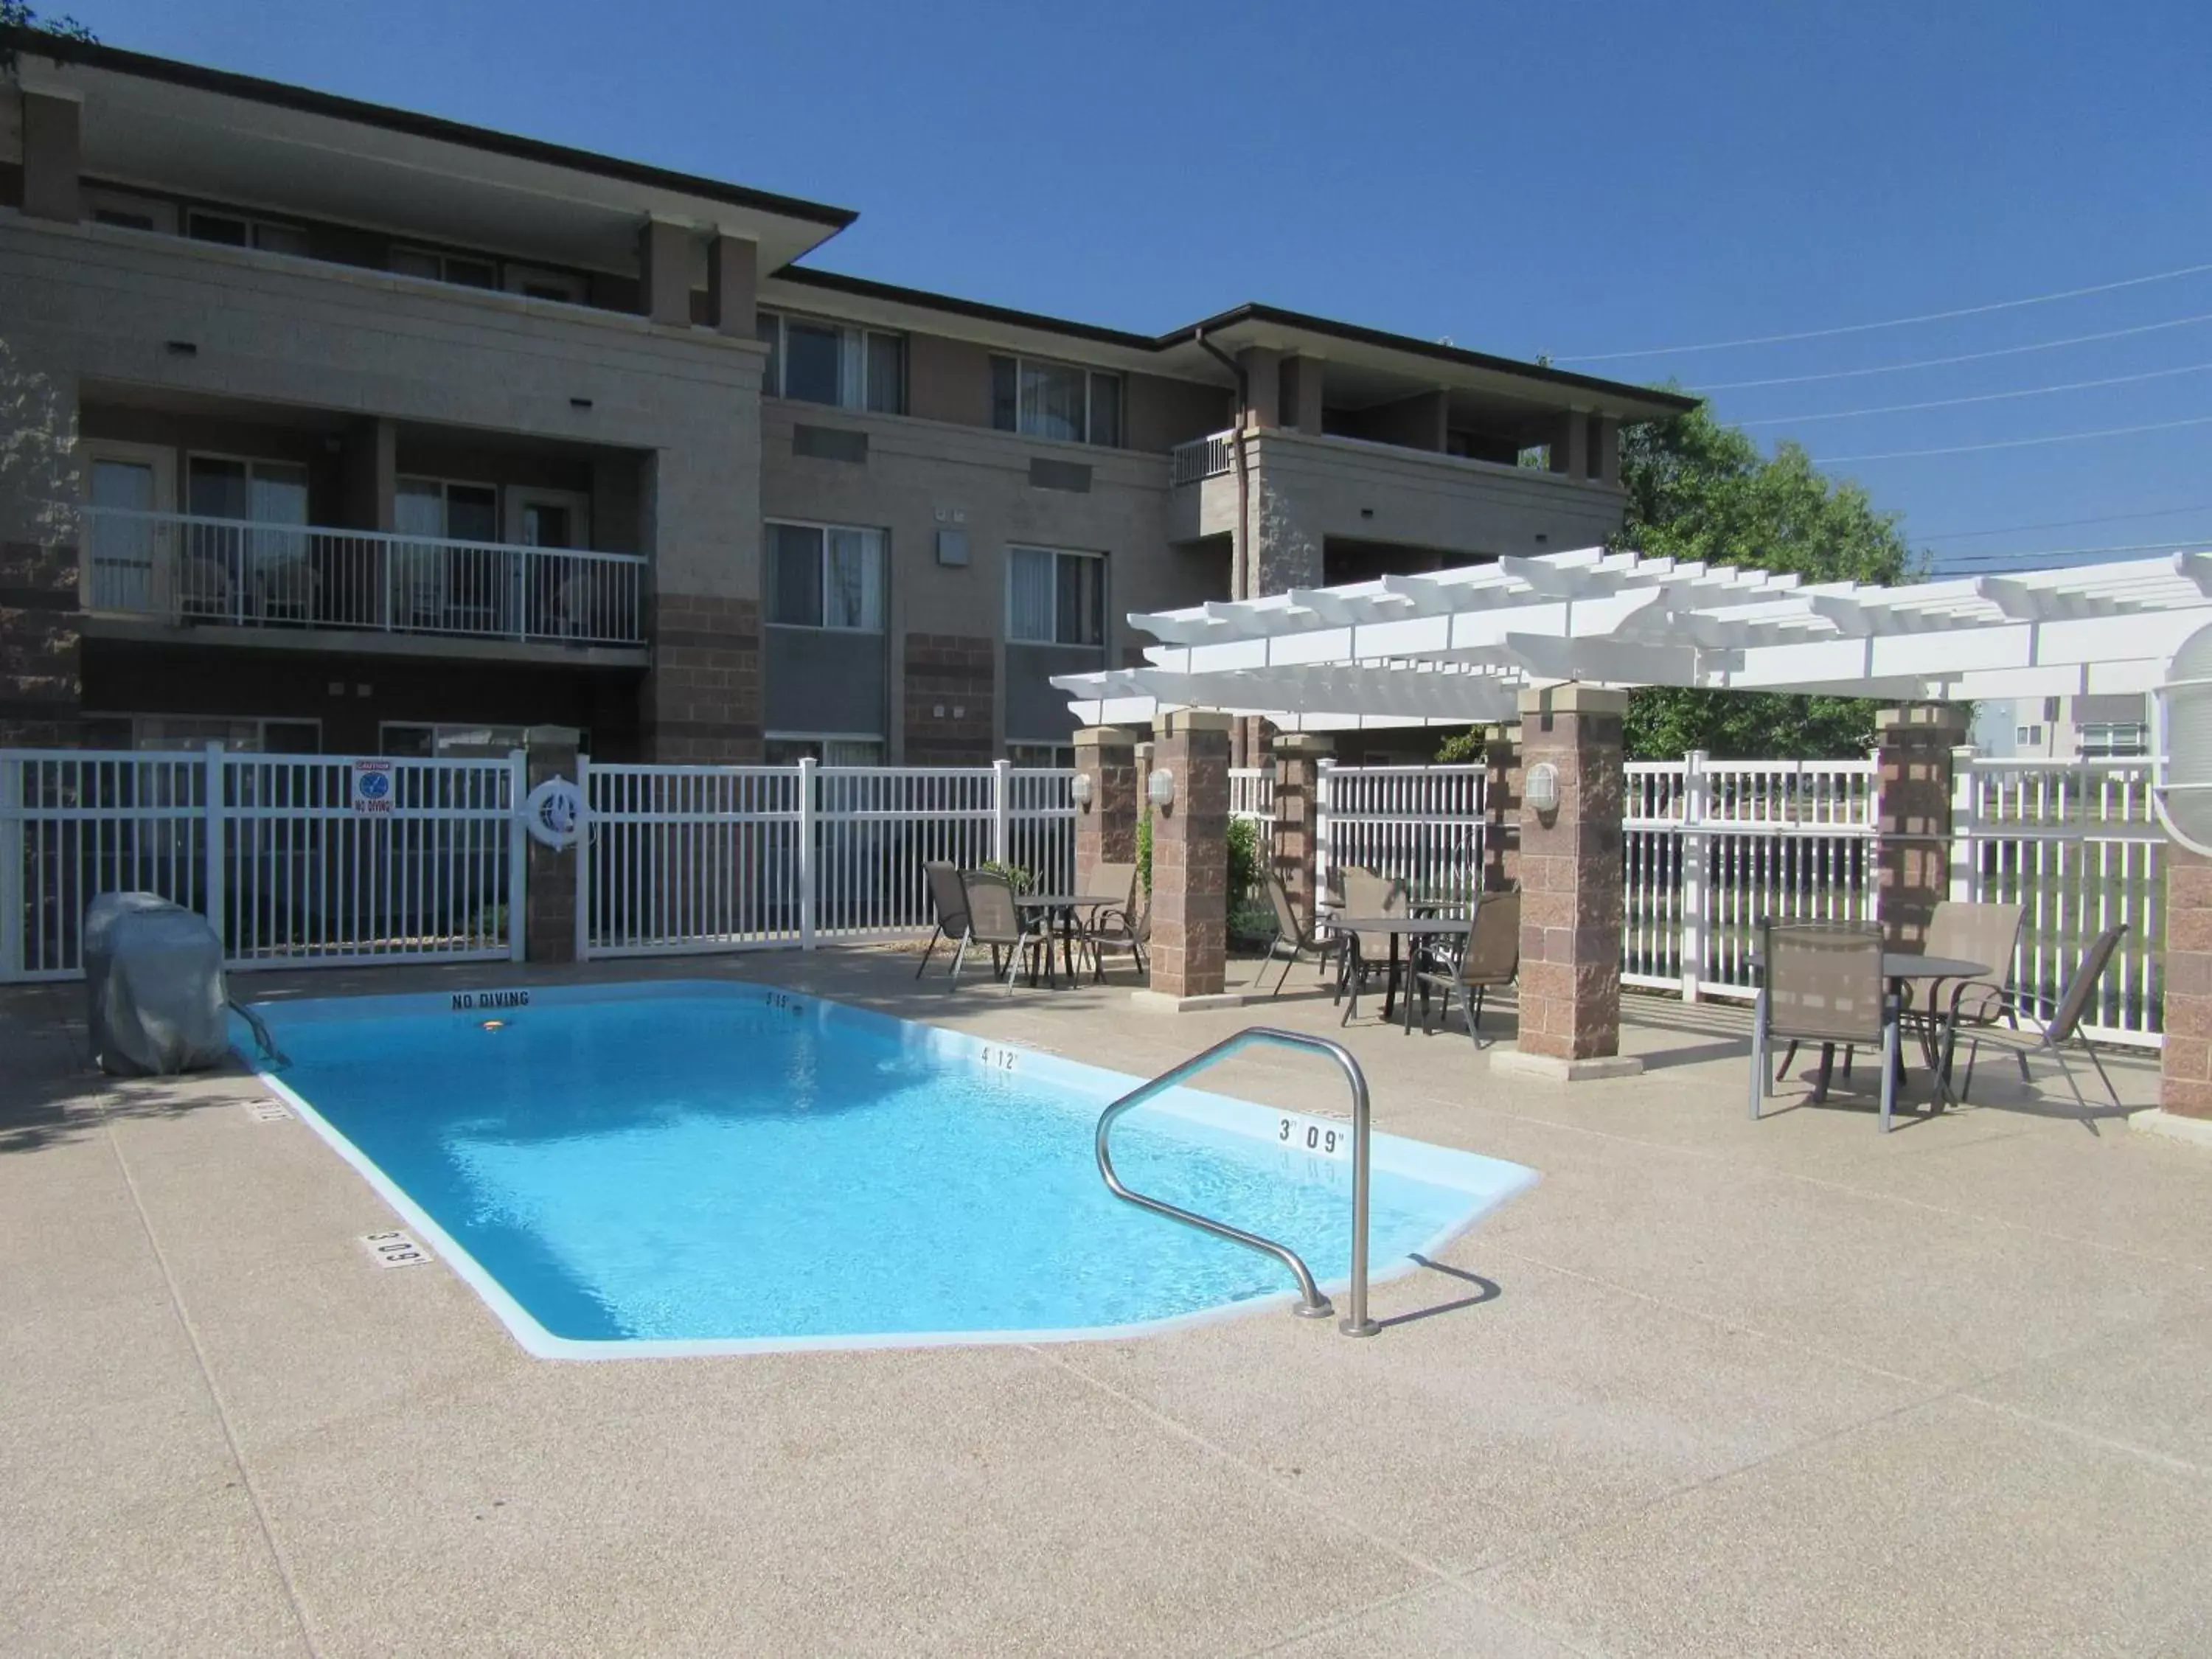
1487,1182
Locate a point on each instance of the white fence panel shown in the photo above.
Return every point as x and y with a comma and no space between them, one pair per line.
1252,797
269,848
1420,824
1654,880
2074,844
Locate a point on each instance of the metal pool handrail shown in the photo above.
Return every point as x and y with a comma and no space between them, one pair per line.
1312,1304
260,1027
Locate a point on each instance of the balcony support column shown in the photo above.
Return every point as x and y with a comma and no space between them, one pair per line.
663,272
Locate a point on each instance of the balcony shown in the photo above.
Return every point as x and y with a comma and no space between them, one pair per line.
180,568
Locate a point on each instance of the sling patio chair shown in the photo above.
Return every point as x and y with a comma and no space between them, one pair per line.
1299,936
994,920
1366,894
1970,932
1823,984
2027,1032
1117,927
950,900
1490,956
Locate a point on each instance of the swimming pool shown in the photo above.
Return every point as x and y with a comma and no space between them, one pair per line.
708,1167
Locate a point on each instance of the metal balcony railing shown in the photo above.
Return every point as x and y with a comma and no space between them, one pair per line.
182,568
1203,458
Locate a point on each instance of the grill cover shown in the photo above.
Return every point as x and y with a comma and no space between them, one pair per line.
153,971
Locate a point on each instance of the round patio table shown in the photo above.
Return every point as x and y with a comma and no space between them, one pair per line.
1065,905
1898,967
1396,926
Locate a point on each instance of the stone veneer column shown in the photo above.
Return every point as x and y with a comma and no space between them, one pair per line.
41,671
1571,897
1913,815
1501,810
1106,829
2184,1071
703,695
1190,861
1298,756
548,930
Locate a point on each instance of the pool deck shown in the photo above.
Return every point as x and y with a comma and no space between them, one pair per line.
1712,1387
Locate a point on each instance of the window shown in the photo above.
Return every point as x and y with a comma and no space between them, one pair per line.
475,740
2051,708
263,492
1073,405
1041,754
826,576
563,285
834,363
245,737
461,268
443,510
784,749
1055,598
2114,740
234,230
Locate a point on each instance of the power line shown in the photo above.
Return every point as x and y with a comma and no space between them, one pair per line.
1982,398
1961,357
2013,443
1958,560
2064,524
1893,322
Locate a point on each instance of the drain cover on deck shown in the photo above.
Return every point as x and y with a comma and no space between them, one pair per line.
394,1249
268,1111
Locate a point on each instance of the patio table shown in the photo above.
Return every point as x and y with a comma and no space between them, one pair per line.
1396,927
1897,967
1064,906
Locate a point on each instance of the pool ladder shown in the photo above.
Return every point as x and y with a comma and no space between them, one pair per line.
1311,1304
260,1027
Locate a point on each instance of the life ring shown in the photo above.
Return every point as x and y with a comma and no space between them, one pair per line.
550,812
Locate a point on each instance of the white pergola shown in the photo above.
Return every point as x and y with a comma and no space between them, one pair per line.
1456,648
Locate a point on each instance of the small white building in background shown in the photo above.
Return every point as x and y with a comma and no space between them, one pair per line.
2113,725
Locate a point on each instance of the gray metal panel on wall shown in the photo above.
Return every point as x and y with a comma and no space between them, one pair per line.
1035,710
821,680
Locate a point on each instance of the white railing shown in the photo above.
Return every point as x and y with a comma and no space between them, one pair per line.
686,858
1252,797
271,848
2074,844
1203,458
1709,848
185,568
1420,824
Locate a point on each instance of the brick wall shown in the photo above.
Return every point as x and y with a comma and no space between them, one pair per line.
701,698
956,673
2185,1068
41,657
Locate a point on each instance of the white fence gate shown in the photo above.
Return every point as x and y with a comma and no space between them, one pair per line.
272,848
2074,845
690,858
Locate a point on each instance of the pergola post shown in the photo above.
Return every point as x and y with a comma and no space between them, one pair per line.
1106,825
1501,810
1298,756
1190,862
1913,816
1572,897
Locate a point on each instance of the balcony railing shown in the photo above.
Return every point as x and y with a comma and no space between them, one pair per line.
1203,458
185,568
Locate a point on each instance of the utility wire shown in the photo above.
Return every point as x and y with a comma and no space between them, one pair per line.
2013,443
2064,524
1958,561
1961,357
1982,398
1893,322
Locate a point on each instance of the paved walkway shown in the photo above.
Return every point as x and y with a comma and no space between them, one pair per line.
1712,1388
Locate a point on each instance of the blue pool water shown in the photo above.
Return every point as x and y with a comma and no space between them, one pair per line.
711,1167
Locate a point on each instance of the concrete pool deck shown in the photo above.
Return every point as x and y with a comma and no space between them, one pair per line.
1712,1387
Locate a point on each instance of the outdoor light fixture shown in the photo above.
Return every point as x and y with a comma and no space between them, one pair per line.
1160,788
1540,788
1081,789
2181,776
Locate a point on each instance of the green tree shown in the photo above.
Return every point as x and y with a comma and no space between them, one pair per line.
1698,490
17,19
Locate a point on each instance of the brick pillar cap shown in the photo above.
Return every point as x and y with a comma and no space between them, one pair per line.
1922,714
1572,698
1183,721
1105,737
1304,743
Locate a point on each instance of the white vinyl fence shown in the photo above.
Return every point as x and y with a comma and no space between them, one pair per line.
689,859
2074,844
1419,824
273,848
1710,848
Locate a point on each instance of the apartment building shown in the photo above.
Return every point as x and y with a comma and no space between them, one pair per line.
2102,725
335,428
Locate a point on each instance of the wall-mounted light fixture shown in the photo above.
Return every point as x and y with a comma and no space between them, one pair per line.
1540,788
1080,789
1160,788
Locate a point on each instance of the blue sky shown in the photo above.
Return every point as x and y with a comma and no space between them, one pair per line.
1575,180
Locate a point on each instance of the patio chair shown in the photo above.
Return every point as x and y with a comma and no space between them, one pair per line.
950,900
2041,1036
1824,985
1366,894
1490,956
1300,936
1117,927
1971,933
994,920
